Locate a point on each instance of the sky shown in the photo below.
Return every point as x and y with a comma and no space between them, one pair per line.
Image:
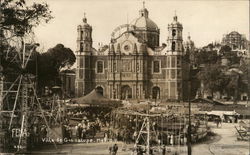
205,20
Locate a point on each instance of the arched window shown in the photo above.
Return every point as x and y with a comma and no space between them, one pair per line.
81,47
99,66
173,46
156,66
155,92
173,32
99,90
81,34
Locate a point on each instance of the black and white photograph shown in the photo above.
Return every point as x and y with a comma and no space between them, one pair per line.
125,77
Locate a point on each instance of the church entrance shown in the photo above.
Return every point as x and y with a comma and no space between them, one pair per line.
126,92
99,89
156,93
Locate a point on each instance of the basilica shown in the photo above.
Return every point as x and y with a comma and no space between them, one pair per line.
134,65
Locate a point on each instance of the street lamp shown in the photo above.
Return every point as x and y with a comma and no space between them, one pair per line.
189,146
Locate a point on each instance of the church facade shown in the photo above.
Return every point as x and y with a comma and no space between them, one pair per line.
133,65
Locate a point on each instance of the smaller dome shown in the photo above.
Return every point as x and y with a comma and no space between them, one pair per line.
176,22
84,22
234,33
189,41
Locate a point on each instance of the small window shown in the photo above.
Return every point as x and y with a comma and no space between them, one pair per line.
99,66
81,47
173,32
156,66
173,46
81,34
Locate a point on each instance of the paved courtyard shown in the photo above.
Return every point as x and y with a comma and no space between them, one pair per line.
223,142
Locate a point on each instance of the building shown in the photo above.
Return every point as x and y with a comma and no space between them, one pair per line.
133,65
68,82
237,42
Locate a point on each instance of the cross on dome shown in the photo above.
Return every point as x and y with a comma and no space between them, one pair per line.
84,18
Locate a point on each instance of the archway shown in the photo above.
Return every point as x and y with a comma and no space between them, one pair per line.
155,92
99,89
126,92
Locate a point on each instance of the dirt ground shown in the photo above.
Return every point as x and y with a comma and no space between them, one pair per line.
222,142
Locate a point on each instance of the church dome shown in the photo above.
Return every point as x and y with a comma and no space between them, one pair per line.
189,41
143,22
84,23
175,22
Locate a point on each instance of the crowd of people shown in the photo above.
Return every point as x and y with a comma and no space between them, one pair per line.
86,122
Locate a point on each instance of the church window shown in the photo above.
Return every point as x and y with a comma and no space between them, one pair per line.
81,47
173,46
81,34
156,66
173,32
99,66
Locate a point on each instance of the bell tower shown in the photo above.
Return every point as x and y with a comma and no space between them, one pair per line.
175,36
83,82
174,60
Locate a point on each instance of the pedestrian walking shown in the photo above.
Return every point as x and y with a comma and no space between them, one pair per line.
114,149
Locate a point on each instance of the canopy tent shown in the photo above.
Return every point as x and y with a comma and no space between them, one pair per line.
94,99
221,113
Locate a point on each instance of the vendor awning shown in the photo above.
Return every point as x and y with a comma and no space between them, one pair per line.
221,113
94,99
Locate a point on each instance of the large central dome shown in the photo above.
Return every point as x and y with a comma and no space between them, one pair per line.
145,29
143,22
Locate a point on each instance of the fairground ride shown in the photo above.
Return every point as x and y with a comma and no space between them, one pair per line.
20,107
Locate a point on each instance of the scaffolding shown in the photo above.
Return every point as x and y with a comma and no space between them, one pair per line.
19,104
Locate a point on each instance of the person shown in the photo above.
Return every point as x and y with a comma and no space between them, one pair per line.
114,149
79,129
110,150
163,150
217,122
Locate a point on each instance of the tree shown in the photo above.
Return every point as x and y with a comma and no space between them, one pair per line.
50,64
213,78
232,56
19,18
